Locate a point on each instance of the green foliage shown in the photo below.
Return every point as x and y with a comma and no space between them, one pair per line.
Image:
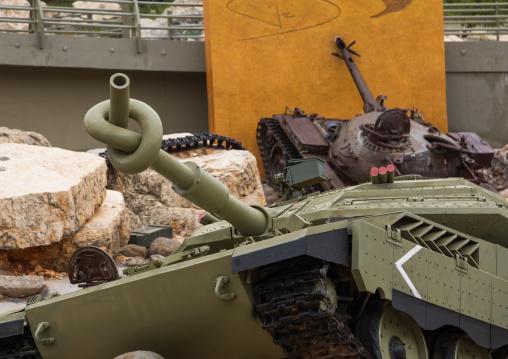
154,9
60,3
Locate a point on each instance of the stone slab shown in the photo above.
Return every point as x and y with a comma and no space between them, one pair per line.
9,135
108,229
46,193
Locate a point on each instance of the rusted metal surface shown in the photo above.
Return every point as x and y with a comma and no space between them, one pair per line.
91,266
380,137
295,309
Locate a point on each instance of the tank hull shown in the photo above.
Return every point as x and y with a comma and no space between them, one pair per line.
172,311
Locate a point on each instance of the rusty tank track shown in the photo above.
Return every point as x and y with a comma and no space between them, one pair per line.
291,298
268,133
206,139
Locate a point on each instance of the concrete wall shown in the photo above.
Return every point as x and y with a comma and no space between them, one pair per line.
477,89
49,90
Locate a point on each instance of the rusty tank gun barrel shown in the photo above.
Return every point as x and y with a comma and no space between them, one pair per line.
131,153
369,103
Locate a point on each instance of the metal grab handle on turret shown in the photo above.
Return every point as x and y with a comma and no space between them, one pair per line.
131,153
219,283
42,326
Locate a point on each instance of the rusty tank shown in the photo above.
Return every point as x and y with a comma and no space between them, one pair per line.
379,137
391,268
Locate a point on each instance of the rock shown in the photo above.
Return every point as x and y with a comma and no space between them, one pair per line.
271,194
96,151
19,287
151,201
156,257
140,354
154,33
163,246
133,250
107,229
5,268
504,193
176,135
89,5
47,193
131,262
497,174
15,14
8,135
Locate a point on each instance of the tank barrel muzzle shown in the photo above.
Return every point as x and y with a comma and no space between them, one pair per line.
131,153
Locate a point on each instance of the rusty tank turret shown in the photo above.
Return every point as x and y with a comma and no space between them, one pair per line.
392,268
379,137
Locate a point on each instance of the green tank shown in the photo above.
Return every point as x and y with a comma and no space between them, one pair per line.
393,268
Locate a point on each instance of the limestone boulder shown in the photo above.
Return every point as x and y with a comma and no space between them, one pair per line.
15,13
163,246
89,5
47,194
151,200
130,261
19,287
108,229
133,250
8,135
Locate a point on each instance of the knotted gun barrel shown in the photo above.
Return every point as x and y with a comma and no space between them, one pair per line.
131,153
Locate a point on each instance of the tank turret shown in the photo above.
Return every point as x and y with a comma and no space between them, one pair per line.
381,136
130,152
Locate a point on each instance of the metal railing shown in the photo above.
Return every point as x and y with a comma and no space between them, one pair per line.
122,19
476,21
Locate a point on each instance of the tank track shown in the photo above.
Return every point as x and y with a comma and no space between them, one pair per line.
19,347
206,139
295,310
268,133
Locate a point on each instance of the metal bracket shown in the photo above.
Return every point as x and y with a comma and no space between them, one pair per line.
137,25
42,326
295,223
39,22
393,236
461,263
219,283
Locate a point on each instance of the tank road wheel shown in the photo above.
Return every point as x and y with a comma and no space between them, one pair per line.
458,345
278,160
387,333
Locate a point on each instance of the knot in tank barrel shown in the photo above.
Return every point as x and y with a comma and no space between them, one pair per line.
131,153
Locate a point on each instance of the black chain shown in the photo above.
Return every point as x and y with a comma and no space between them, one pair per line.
206,139
295,309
